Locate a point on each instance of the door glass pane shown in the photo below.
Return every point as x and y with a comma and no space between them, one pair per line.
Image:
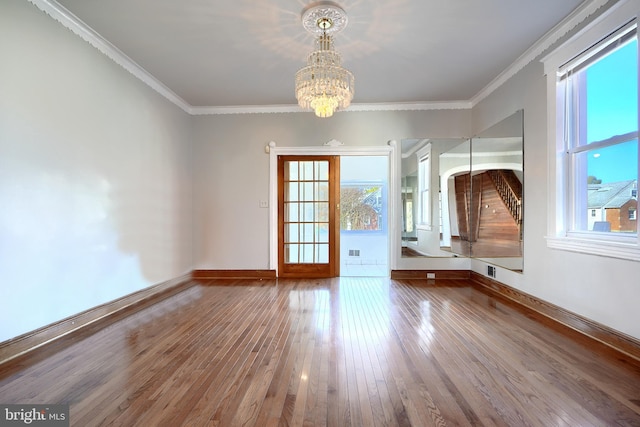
291,212
291,253
291,233
306,253
307,233
322,171
306,172
307,191
322,253
323,233
291,193
306,212
291,171
322,191
322,212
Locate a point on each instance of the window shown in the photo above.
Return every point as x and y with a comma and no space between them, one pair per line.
424,186
593,136
362,206
632,214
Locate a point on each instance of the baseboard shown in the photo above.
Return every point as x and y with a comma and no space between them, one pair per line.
91,320
422,274
621,343
233,274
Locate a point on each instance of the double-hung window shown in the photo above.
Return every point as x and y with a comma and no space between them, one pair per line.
424,186
592,85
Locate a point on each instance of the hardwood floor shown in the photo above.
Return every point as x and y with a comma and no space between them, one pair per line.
338,352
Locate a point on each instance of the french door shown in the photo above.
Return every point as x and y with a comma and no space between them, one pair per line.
308,216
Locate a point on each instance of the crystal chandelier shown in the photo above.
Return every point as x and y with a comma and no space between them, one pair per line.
323,85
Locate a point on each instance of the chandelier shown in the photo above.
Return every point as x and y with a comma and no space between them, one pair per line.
323,85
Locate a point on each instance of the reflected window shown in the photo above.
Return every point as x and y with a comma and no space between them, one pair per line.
424,185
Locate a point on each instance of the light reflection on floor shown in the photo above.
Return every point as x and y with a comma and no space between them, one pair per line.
364,270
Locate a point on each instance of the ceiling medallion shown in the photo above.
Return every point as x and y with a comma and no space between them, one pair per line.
324,85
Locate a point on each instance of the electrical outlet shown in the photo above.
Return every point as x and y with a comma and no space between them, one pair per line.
263,204
431,275
491,271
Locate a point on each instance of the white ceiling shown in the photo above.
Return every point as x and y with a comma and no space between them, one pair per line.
246,52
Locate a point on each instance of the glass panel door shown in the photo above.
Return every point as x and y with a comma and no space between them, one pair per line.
307,207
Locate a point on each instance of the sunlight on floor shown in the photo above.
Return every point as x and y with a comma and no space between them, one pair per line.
364,270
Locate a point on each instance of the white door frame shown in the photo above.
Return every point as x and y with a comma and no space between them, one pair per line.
389,150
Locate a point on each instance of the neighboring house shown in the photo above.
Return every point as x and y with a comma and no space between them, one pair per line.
613,206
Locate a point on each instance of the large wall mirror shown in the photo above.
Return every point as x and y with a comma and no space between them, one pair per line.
464,197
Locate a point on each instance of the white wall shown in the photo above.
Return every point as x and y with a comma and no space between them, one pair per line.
605,290
95,176
96,179
232,170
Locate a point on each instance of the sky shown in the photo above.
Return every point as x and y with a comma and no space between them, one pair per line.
612,109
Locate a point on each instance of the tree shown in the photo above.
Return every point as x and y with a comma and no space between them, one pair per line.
355,213
593,180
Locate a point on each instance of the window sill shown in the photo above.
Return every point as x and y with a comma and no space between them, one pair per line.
594,246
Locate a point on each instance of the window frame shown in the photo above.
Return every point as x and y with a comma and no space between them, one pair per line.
425,203
561,188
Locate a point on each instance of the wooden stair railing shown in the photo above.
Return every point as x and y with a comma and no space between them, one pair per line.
512,197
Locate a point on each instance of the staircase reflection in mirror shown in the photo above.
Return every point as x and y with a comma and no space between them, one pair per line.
464,197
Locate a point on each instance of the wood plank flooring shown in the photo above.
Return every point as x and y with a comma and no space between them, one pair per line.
336,352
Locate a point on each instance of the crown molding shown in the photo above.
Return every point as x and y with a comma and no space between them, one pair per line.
411,106
292,108
70,21
574,19
245,109
62,15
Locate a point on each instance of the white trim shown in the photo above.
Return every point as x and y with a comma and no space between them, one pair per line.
606,248
559,194
614,17
424,227
292,108
483,167
59,13
411,106
274,151
417,146
246,109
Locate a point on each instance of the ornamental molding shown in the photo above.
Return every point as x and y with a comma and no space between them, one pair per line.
66,18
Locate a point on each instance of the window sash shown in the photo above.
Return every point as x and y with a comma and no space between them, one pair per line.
605,46
573,53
